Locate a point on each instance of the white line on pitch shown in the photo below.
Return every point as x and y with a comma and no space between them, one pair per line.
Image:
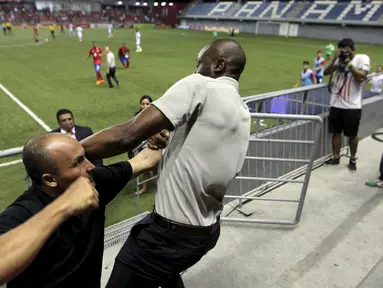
25,108
11,163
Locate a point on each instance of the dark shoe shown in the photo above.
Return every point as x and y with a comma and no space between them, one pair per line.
332,161
111,86
352,165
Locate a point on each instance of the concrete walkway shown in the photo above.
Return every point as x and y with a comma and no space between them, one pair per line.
338,243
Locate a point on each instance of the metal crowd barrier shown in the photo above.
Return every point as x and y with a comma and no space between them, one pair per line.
263,160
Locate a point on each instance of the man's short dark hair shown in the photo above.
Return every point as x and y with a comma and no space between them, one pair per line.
319,51
306,62
347,42
37,160
62,112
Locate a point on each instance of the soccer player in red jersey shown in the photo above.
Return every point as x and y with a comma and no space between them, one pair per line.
124,54
96,52
36,35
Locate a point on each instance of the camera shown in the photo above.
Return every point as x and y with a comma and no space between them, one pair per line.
344,54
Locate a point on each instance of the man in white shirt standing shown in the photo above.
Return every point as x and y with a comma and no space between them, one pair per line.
111,68
201,110
377,81
138,41
350,75
110,27
71,30
79,33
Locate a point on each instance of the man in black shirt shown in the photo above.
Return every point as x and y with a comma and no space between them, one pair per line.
53,234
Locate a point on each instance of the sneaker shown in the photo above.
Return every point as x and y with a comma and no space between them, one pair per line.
111,86
332,161
376,184
352,165
118,84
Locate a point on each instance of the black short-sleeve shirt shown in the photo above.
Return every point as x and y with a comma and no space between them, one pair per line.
72,257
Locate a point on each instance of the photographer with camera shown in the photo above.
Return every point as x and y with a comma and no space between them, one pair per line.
349,71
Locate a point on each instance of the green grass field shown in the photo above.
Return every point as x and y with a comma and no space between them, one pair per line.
55,75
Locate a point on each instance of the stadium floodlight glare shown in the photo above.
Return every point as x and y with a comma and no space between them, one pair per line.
170,4
163,3
155,3
145,4
138,3
119,2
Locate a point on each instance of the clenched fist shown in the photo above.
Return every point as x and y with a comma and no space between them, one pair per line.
159,141
80,196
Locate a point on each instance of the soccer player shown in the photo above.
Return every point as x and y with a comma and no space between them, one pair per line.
79,33
124,54
9,28
62,30
52,29
111,68
330,48
319,66
96,52
4,28
110,27
70,30
307,76
138,41
36,35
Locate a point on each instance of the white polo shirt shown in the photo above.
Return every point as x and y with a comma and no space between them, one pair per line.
110,60
206,150
347,91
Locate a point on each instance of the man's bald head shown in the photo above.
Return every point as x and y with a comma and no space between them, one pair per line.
37,159
223,57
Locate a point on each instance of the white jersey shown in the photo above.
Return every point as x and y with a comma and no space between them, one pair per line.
377,83
110,61
110,26
347,91
138,36
79,30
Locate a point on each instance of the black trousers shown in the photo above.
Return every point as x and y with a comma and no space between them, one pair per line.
153,256
381,169
112,74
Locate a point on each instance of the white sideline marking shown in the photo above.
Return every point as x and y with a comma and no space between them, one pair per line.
25,108
11,163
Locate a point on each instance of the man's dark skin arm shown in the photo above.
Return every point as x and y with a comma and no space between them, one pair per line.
126,136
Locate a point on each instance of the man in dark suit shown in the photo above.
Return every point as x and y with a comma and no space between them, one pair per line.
65,119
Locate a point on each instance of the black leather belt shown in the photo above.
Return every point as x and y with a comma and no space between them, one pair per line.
184,228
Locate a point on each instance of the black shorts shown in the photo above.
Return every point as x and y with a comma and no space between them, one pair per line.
344,120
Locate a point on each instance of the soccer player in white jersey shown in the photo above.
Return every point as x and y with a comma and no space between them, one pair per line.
71,30
210,127
79,33
349,72
138,41
110,33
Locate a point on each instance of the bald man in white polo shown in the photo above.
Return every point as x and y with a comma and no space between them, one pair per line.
210,127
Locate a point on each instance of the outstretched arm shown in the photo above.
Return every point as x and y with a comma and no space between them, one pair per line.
123,137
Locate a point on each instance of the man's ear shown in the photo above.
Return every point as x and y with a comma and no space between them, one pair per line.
49,180
220,65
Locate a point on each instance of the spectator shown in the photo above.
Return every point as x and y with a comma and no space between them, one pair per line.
346,98
377,81
379,182
72,256
67,126
307,76
145,101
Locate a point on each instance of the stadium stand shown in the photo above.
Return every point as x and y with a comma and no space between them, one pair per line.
353,12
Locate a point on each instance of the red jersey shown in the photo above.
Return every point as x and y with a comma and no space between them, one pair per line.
36,32
123,51
96,53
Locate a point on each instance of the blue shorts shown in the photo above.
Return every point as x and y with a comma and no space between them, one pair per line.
97,67
319,79
124,59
